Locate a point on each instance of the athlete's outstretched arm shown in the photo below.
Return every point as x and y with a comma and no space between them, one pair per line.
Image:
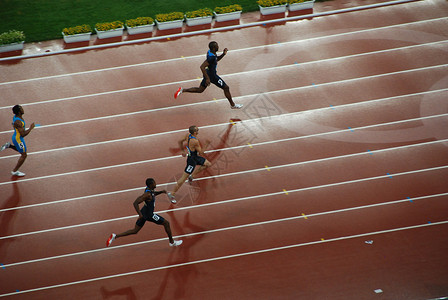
159,192
224,52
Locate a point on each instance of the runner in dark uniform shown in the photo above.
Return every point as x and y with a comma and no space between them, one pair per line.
147,214
208,69
193,159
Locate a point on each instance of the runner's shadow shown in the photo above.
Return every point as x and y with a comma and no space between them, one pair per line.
127,291
183,274
213,156
7,217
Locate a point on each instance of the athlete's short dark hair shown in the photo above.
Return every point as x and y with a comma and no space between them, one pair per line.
149,181
192,129
16,109
212,44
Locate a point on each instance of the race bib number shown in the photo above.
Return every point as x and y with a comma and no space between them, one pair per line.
189,169
155,217
21,145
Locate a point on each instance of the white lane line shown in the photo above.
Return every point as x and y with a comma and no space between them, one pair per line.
337,35
226,124
228,201
227,257
225,228
224,149
228,75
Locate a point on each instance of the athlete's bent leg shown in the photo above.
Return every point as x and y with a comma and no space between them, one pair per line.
167,227
201,168
135,230
179,183
228,95
199,89
20,161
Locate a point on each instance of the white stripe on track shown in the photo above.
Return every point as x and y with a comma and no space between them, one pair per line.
223,149
337,35
232,200
226,228
232,74
226,257
226,124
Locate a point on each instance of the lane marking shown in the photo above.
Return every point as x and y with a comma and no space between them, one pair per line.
236,200
227,174
228,257
250,145
226,75
285,191
221,229
222,124
306,218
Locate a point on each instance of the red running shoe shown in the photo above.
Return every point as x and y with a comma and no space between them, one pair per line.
110,239
178,92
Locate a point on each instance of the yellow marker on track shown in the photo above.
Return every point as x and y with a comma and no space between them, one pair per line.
306,218
322,239
286,193
215,99
267,168
250,145
182,57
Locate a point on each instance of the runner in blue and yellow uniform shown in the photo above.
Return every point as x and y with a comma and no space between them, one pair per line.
193,159
18,142
208,69
147,214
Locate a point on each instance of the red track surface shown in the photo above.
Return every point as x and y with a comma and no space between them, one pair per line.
343,140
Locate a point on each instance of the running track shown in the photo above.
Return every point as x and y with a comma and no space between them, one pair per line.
343,140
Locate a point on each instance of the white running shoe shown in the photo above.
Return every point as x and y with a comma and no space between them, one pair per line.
6,145
110,239
17,173
171,197
176,243
178,92
236,106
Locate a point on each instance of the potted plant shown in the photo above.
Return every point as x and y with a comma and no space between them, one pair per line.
77,34
295,5
109,29
170,21
199,17
11,40
269,7
228,13
140,25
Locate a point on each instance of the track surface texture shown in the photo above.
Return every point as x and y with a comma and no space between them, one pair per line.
330,183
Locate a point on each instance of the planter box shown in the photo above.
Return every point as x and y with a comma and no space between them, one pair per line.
301,6
278,9
236,15
76,38
11,47
198,21
170,24
140,29
109,33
